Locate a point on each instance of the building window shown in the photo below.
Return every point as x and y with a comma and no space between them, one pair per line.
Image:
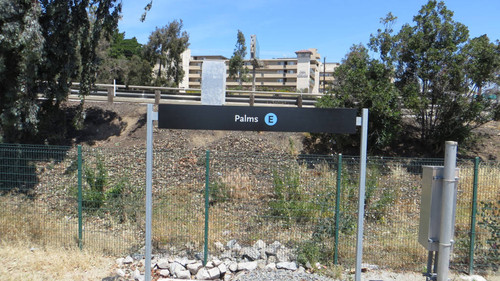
291,63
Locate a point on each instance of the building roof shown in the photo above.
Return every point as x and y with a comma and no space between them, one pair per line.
202,57
304,52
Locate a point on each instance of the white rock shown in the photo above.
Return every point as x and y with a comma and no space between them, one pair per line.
259,245
162,264
183,274
236,248
261,264
318,265
287,265
214,273
219,246
194,267
272,259
209,265
228,276
263,254
271,266
216,262
233,266
272,249
202,274
222,268
250,252
128,260
119,261
283,255
120,272
227,254
248,266
164,273
367,266
230,244
181,261
138,276
175,268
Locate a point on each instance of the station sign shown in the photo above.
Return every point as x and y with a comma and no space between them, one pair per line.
242,118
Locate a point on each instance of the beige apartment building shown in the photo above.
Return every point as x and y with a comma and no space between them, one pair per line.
326,75
302,73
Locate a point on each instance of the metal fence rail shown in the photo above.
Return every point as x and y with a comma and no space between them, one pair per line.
141,94
94,198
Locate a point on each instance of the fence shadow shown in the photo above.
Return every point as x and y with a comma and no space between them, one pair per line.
18,169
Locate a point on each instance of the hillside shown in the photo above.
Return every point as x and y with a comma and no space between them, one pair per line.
123,124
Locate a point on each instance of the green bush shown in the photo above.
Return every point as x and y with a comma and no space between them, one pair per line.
93,197
102,196
291,203
309,252
122,199
218,192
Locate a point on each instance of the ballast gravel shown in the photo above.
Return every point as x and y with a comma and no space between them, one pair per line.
279,275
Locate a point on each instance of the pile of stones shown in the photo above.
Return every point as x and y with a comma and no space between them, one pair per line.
226,263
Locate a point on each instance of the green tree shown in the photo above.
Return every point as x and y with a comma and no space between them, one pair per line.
165,48
21,55
236,63
121,60
482,63
45,45
438,72
363,82
122,47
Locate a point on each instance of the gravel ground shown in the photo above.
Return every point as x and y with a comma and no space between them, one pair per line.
278,275
374,275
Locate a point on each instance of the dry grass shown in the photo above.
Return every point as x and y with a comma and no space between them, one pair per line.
179,215
20,261
33,223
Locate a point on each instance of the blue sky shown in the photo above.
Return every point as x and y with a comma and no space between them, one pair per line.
285,26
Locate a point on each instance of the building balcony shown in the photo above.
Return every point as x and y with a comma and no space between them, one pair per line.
278,66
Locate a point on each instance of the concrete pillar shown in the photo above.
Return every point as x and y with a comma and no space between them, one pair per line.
111,94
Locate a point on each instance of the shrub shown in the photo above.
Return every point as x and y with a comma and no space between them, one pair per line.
218,192
291,202
97,178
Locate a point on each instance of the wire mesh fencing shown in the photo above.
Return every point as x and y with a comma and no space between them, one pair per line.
93,198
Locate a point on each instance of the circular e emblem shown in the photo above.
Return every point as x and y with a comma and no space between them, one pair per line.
271,119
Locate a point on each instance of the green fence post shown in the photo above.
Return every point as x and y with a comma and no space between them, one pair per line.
337,209
207,178
473,217
80,216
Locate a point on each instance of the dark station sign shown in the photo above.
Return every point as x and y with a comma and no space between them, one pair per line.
241,118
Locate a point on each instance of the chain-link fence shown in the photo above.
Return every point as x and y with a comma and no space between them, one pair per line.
94,198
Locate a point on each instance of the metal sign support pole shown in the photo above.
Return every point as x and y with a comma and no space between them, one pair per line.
362,187
152,116
447,205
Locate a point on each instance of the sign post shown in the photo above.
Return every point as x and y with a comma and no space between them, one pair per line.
239,118
362,188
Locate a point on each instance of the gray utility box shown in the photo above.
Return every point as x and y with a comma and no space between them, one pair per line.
430,206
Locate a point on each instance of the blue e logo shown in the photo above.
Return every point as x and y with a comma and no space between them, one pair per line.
271,119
